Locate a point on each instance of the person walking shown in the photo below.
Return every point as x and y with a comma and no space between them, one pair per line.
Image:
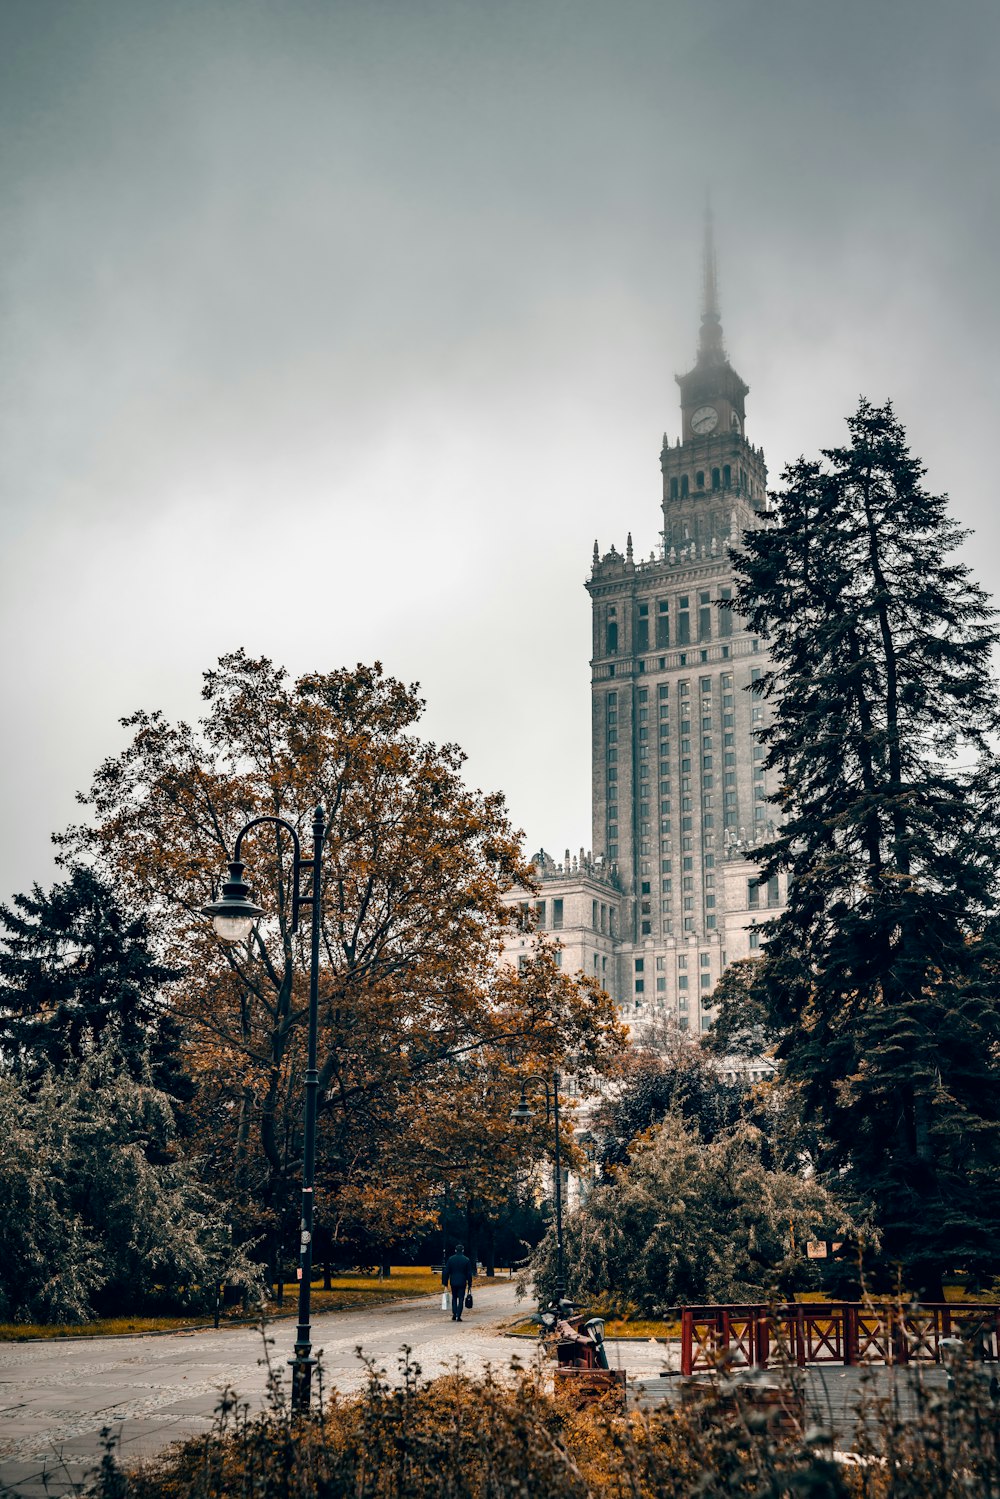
457,1274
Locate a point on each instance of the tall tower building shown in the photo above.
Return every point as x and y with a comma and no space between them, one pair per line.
679,789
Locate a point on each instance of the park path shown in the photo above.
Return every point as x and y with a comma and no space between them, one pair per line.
56,1396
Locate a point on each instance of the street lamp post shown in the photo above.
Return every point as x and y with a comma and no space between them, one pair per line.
234,916
521,1113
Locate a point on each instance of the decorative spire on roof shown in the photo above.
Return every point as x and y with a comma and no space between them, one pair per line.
710,345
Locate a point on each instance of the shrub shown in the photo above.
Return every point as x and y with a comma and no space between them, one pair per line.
458,1437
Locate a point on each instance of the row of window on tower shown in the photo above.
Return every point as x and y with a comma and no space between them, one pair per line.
718,478
692,620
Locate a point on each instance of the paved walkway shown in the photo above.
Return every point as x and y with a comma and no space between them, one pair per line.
56,1396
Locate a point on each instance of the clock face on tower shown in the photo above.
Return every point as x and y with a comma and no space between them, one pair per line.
704,420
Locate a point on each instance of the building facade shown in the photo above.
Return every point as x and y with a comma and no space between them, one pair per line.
680,794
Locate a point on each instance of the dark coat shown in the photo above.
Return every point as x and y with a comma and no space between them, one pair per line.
458,1271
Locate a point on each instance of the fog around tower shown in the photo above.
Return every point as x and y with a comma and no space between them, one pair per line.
340,330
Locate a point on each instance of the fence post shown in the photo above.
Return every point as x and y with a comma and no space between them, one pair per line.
687,1338
850,1333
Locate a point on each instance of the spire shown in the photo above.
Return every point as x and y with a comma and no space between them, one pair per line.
710,346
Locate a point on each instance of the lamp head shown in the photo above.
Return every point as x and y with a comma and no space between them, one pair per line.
521,1113
235,914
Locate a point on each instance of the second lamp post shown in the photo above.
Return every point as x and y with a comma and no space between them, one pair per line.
522,1112
234,916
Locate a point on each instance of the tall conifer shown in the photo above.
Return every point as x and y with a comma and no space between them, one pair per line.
883,710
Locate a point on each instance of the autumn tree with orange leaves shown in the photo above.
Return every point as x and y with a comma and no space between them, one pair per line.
424,1033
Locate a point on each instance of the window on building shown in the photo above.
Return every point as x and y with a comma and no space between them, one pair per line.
773,897
646,928
642,628
716,479
699,478
662,623
755,939
704,616
557,914
673,489
540,913
640,986
683,620
727,476
684,486
725,615
661,985
753,895
612,637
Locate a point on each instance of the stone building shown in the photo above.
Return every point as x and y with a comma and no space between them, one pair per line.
679,801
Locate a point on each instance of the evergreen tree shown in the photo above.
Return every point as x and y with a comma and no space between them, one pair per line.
98,1211
880,643
690,1220
77,973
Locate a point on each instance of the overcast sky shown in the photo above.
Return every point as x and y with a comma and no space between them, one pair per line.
339,329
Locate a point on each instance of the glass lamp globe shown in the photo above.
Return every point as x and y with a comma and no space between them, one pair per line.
233,928
234,915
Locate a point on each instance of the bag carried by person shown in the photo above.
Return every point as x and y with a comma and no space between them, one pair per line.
444,1301
468,1299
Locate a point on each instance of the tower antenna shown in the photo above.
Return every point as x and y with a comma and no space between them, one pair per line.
710,345
709,268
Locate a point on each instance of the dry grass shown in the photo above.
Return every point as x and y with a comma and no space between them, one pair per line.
348,1293
102,1327
511,1438
618,1327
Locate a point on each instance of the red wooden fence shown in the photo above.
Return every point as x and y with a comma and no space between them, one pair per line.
832,1332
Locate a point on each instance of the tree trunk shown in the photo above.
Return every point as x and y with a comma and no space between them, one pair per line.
385,1266
470,1234
491,1267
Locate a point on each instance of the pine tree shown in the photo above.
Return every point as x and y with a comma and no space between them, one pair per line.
883,710
76,973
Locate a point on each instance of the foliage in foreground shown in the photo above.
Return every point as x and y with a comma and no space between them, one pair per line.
463,1438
